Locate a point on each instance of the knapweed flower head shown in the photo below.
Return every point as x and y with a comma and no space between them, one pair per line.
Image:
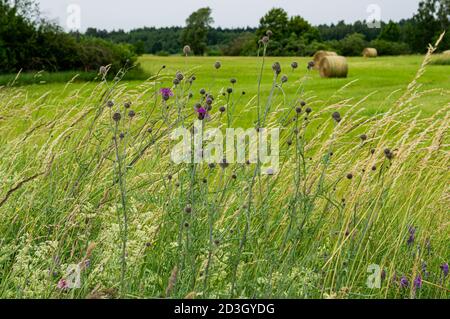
444,268
166,93
418,282
404,282
62,284
265,39
284,79
276,67
202,113
388,153
337,117
179,76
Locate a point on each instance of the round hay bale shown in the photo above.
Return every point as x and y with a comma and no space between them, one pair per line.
319,55
333,67
446,52
370,53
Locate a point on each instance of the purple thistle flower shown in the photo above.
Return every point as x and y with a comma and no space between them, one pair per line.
418,282
444,268
404,283
62,284
166,93
202,113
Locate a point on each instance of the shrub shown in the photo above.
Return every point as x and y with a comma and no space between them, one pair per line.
390,48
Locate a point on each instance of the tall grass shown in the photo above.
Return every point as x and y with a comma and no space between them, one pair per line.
347,196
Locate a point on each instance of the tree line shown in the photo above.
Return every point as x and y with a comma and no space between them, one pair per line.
28,42
292,36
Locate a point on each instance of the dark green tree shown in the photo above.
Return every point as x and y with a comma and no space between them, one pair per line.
195,33
390,32
432,18
277,21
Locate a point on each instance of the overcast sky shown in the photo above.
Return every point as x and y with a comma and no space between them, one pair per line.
115,14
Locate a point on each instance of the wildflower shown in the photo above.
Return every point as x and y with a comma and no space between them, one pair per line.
188,209
372,151
186,50
222,109
269,33
110,104
202,113
122,136
166,93
308,110
229,90
186,225
444,268
363,137
303,103
202,91
284,79
298,110
294,65
209,101
388,153
127,105
233,81
374,168
276,67
217,65
412,235
310,65
404,283
418,282
176,81
337,117
270,172
116,117
383,274
63,284
350,176
234,176
179,76
149,130
132,114
265,39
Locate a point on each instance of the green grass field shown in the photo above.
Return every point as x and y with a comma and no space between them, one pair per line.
366,195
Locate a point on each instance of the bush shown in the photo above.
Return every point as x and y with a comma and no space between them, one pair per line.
390,48
352,45
245,44
97,52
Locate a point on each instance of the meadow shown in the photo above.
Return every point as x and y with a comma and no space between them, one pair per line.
88,193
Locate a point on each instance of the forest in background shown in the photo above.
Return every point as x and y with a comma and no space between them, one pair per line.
30,43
